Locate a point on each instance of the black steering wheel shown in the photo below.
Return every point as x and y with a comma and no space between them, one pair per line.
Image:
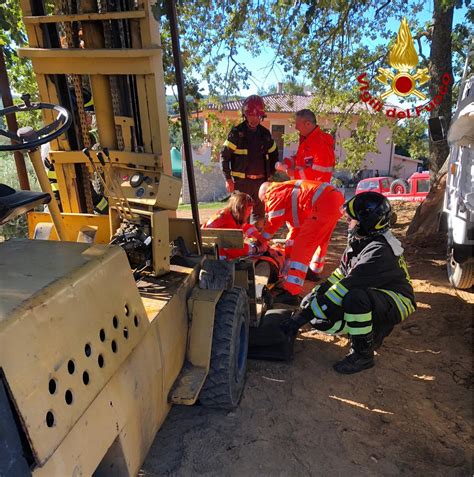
26,137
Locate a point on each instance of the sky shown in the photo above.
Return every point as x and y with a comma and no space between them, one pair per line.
263,78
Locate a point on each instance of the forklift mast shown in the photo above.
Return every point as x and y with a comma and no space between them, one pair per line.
106,56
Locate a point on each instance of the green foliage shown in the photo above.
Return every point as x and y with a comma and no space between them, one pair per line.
412,138
217,132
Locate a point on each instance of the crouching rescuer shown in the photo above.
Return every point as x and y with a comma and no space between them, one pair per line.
369,293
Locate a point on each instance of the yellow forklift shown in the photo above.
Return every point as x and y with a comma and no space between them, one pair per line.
106,321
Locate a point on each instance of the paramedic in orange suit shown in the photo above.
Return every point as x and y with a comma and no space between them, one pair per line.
311,209
236,216
315,159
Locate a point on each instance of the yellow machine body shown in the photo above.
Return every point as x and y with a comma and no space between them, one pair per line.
91,359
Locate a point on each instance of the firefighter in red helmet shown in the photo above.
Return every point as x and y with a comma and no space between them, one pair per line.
249,155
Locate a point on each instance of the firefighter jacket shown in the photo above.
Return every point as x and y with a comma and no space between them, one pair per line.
234,155
370,262
315,159
292,202
224,219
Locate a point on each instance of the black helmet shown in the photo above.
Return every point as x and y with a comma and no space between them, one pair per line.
372,210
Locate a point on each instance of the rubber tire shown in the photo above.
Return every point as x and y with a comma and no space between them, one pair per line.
226,379
399,186
460,275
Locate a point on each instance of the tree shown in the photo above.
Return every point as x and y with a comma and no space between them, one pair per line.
328,42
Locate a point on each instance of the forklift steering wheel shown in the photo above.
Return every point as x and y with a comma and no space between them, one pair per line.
27,138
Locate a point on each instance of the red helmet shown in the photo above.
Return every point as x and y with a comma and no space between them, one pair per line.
254,105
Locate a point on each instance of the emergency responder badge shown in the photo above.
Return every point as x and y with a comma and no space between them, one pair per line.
308,161
403,58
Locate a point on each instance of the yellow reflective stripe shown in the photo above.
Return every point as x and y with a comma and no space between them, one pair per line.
52,175
359,317
241,152
230,145
408,303
273,147
54,186
334,297
241,175
360,331
102,204
400,305
340,289
350,205
338,327
338,274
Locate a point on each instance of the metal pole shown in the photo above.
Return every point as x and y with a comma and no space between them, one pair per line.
11,122
178,66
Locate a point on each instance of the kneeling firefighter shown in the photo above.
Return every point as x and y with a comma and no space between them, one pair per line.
371,290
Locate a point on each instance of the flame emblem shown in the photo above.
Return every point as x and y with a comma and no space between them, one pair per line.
403,57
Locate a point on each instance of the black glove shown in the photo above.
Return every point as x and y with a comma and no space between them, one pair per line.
290,326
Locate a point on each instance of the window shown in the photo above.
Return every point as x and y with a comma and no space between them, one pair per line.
423,185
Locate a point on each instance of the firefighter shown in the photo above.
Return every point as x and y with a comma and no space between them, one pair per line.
314,159
371,290
236,216
249,155
311,209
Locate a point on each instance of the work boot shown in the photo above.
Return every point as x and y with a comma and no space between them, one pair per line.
285,297
354,363
312,276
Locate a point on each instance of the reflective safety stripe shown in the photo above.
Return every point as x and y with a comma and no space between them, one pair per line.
301,172
295,280
276,213
405,307
359,317
319,192
250,231
299,266
230,145
52,175
316,269
359,331
332,279
338,274
294,203
241,175
315,167
266,235
102,204
336,293
241,152
338,327
352,319
317,311
54,186
272,148
340,289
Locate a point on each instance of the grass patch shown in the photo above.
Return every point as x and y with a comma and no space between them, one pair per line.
204,205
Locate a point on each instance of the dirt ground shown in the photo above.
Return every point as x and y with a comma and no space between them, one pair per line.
409,415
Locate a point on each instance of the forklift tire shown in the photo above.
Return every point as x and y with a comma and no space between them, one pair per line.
225,382
461,275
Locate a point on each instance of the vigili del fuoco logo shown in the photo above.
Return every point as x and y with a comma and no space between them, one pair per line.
403,58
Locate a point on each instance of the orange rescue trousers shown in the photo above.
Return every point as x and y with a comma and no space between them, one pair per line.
315,232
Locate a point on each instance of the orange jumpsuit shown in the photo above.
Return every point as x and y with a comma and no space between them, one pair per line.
311,209
315,159
223,219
